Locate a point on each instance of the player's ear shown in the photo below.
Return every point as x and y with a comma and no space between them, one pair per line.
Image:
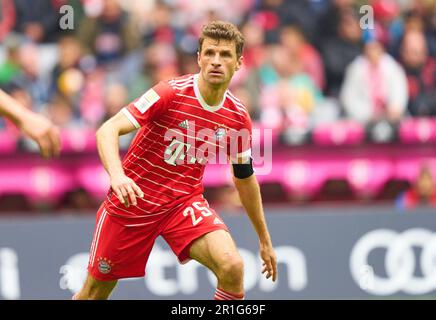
198,59
239,63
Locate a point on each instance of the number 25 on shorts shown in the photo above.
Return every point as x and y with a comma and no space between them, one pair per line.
190,211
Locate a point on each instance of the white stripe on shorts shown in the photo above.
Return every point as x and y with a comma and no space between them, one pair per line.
96,237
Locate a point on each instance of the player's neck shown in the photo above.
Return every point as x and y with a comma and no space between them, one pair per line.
212,95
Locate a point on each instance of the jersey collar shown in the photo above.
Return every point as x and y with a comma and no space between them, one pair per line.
201,100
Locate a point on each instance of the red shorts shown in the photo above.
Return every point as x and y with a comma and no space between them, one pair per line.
121,250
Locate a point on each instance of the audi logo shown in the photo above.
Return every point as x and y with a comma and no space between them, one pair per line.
400,261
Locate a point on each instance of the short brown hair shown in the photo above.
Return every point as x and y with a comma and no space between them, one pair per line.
222,30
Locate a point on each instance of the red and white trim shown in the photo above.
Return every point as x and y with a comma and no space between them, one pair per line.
224,295
131,118
97,237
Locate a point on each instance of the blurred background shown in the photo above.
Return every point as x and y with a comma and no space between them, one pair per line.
349,94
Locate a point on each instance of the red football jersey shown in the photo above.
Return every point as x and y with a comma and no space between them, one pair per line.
178,134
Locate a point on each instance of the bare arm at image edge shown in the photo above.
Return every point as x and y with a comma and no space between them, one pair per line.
33,125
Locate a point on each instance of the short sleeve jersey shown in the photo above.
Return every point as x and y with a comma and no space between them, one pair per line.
179,133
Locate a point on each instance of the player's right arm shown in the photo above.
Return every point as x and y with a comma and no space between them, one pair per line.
140,112
33,125
108,149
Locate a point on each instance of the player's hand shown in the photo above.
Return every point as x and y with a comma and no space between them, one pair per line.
43,132
269,261
126,190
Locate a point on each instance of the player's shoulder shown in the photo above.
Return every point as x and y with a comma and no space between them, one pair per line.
181,82
167,89
236,105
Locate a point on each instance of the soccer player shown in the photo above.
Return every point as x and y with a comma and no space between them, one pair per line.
157,189
33,125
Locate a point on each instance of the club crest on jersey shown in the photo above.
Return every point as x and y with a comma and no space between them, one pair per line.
104,265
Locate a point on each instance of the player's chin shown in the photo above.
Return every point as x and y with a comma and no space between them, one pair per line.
216,80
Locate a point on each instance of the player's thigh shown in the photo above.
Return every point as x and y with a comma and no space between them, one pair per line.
120,249
197,223
214,250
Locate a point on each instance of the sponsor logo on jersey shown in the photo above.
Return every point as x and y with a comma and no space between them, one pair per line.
184,124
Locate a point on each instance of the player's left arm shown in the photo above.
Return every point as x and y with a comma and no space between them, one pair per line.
249,193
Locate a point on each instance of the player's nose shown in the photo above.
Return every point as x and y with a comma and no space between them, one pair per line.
216,61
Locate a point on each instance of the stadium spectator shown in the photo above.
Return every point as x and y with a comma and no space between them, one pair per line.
421,74
187,63
430,30
293,40
375,86
255,55
77,201
411,21
38,20
29,77
162,58
328,22
92,97
116,97
289,96
247,98
388,23
198,13
66,73
340,50
158,26
422,193
254,48
274,14
62,114
110,34
10,68
7,18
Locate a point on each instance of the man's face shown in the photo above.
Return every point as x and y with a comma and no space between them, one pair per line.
414,51
218,61
424,185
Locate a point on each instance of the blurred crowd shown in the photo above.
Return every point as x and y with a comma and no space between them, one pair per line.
306,62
